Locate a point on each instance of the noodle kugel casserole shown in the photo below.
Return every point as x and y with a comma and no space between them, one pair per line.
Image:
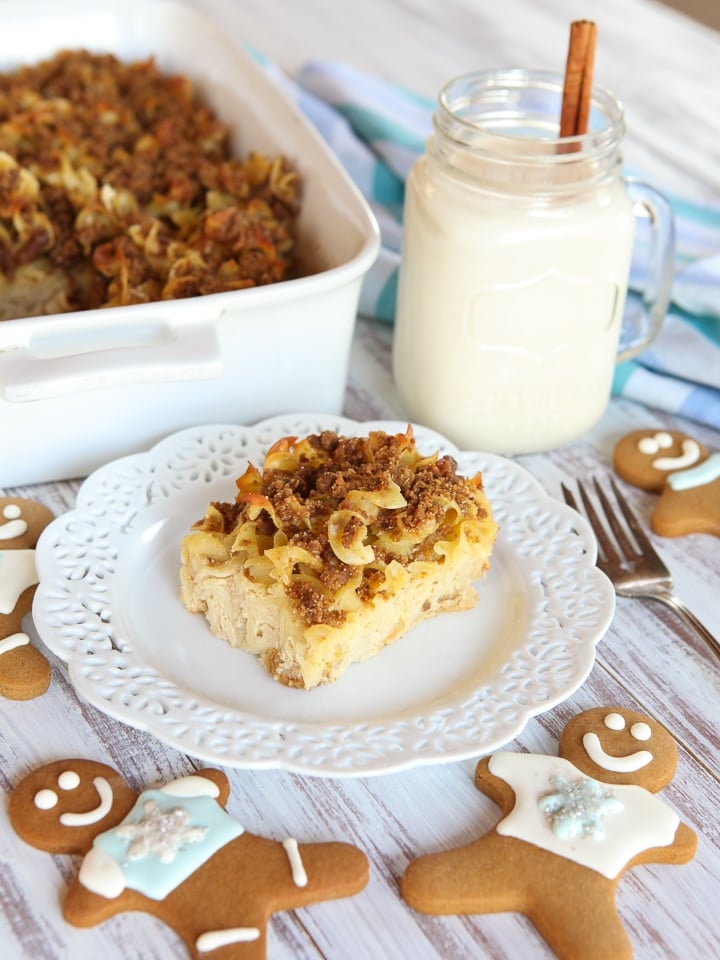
335,549
117,187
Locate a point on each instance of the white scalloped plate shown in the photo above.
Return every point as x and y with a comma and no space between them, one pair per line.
456,686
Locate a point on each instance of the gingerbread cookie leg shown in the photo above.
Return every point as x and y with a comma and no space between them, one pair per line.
583,922
575,915
480,877
24,672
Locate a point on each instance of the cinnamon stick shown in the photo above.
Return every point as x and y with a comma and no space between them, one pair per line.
577,88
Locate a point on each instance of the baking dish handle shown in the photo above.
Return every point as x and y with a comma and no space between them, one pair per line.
71,358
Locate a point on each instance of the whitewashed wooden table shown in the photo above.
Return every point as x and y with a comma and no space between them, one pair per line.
666,69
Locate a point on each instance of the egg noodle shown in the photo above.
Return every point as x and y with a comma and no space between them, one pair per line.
118,186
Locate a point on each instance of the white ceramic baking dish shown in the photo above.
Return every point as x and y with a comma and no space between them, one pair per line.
79,389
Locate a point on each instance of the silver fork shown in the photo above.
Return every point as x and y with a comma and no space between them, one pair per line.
635,569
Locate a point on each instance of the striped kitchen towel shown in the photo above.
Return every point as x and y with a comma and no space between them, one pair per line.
378,129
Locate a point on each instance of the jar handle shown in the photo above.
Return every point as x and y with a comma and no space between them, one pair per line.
653,301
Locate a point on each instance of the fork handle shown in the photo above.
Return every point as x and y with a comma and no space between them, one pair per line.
676,604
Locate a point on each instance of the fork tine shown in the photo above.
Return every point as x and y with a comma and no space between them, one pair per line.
606,544
622,538
632,521
569,497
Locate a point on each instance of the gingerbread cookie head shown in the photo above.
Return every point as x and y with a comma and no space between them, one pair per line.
645,458
619,746
62,806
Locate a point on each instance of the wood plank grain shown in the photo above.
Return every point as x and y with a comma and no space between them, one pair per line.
666,69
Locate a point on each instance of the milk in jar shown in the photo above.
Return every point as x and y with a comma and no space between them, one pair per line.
515,263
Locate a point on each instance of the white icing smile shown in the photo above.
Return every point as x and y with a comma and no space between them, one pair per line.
652,445
69,780
627,764
70,819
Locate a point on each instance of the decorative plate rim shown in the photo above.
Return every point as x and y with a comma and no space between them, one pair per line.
74,614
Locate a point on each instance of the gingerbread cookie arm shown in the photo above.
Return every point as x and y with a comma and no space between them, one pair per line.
680,512
493,787
193,785
82,908
685,844
681,850
297,874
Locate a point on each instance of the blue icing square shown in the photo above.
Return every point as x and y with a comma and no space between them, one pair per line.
182,833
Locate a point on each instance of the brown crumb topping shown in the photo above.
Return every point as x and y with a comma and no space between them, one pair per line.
123,180
321,474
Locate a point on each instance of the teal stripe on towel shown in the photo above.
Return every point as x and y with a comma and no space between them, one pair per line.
386,301
372,126
623,373
387,188
708,216
709,327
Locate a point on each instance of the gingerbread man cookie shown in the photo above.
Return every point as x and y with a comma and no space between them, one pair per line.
24,671
682,471
570,827
176,853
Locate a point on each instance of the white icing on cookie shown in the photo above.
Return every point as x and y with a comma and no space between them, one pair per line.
102,874
214,939
690,455
651,445
704,473
627,764
614,721
45,799
71,819
69,780
296,865
191,786
17,573
15,526
641,731
644,821
12,642
160,833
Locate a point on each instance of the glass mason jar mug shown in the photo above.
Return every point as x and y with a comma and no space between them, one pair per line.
516,255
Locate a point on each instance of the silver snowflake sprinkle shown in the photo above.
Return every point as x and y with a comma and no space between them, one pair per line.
577,809
160,833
